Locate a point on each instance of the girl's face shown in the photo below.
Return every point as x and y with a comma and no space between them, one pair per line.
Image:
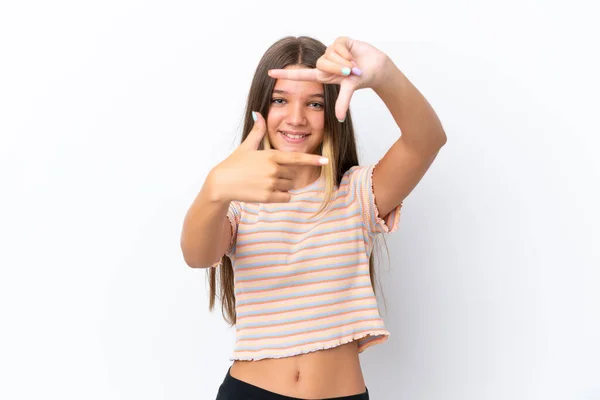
296,118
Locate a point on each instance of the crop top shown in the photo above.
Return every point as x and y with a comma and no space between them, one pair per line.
302,283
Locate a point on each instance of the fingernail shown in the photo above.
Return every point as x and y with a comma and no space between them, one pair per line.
323,160
342,120
254,116
346,71
356,71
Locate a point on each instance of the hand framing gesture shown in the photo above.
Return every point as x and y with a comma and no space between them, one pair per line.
350,63
263,176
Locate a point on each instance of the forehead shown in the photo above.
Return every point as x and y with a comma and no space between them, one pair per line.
300,88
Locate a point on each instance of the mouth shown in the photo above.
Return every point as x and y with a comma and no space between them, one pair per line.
294,137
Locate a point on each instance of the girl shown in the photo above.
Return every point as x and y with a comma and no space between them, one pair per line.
288,220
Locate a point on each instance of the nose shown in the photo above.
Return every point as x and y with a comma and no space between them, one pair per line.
296,115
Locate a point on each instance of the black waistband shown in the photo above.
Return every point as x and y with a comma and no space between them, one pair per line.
243,387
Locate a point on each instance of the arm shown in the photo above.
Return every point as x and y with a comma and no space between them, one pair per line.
206,229
405,163
407,160
247,175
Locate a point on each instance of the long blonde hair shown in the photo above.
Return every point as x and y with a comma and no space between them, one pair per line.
339,145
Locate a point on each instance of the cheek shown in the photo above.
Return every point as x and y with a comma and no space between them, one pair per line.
318,124
273,121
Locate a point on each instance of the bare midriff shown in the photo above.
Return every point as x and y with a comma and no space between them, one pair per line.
322,374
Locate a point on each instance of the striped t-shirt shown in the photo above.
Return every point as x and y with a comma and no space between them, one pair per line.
302,283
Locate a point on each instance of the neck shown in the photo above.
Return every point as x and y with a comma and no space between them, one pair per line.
305,175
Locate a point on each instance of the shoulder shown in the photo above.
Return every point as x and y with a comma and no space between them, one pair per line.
358,175
355,182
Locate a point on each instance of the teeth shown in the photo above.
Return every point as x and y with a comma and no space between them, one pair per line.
294,136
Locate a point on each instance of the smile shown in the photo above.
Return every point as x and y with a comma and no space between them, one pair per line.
294,137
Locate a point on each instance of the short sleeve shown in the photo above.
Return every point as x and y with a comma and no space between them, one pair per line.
233,215
361,181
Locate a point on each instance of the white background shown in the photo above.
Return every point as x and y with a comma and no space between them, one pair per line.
113,112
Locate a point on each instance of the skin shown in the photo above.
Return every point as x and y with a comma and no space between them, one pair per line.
406,162
297,106
329,373
333,372
337,372
322,374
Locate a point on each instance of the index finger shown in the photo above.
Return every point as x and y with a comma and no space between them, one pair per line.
294,158
295,74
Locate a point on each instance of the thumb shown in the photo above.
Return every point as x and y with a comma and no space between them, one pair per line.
257,133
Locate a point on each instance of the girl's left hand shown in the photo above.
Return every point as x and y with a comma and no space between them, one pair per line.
350,63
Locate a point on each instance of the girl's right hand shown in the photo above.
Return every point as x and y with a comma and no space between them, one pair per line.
258,176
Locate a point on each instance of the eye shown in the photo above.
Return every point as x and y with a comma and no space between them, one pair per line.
316,105
277,101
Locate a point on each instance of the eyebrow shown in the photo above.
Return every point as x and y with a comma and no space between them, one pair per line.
321,95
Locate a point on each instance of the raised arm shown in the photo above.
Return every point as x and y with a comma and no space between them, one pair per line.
355,65
407,160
